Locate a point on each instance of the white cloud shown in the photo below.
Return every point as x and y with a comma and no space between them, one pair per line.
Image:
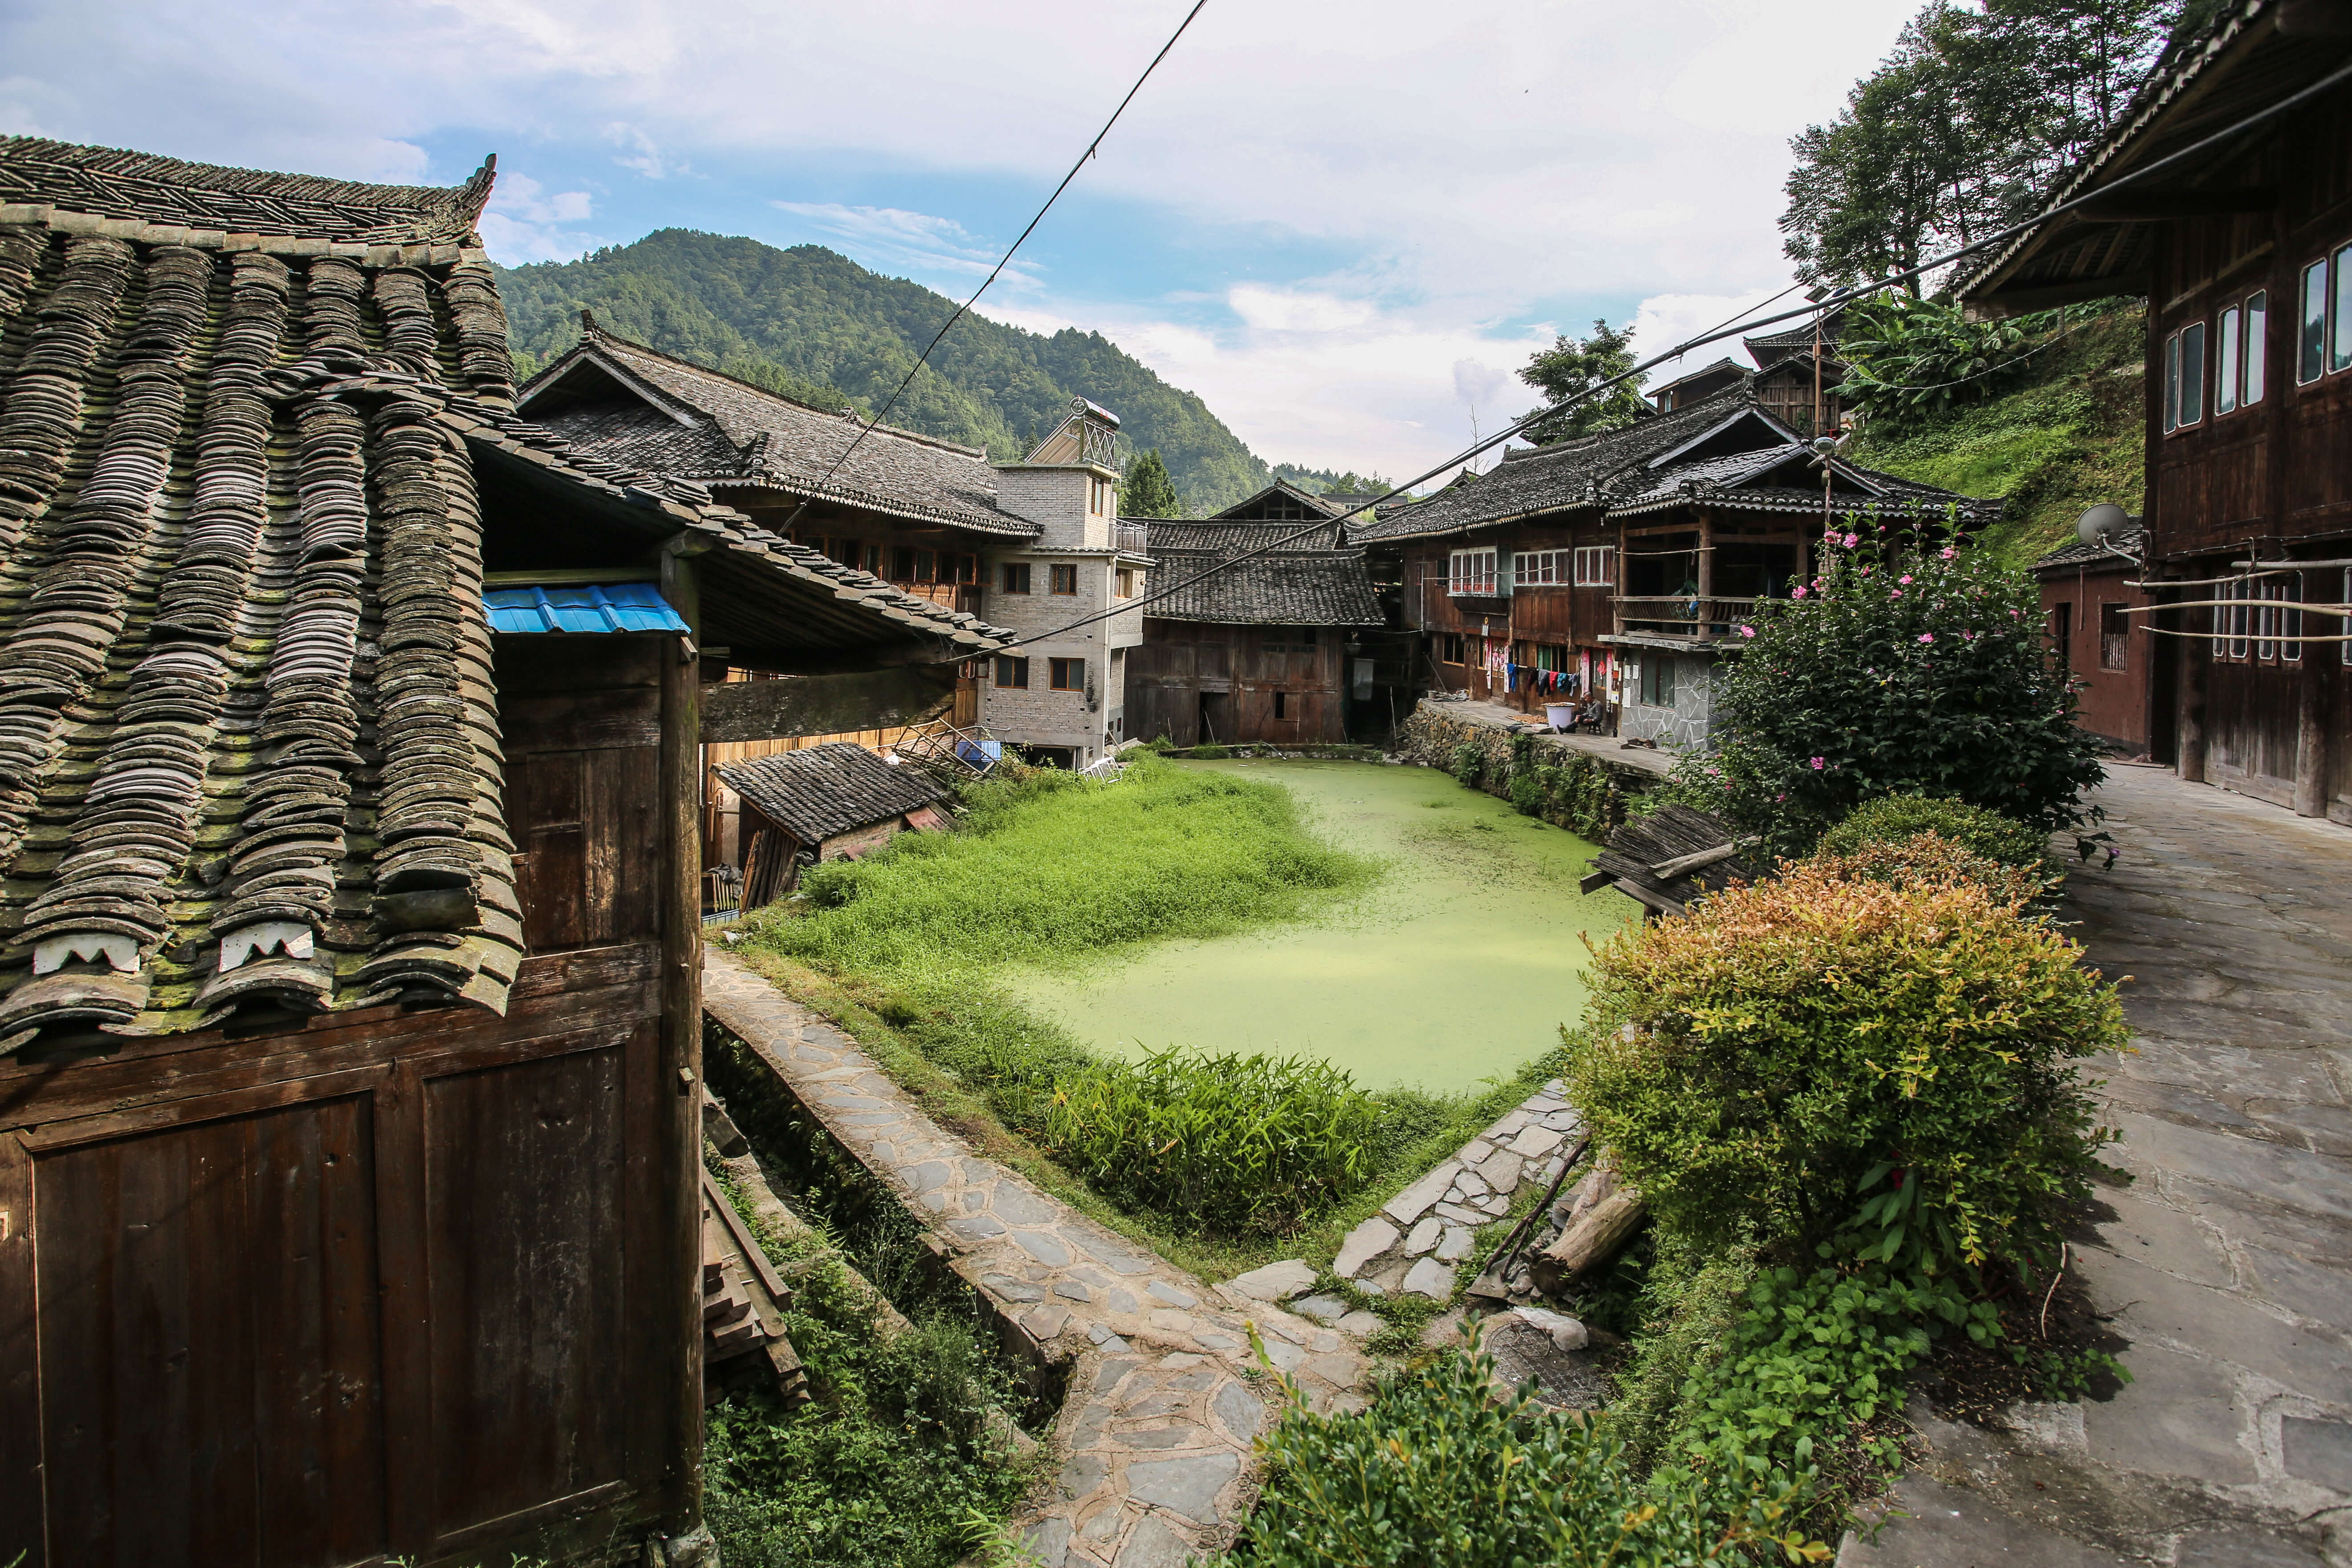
1295,310
524,222
643,155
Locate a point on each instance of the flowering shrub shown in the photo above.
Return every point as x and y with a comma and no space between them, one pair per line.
1930,857
1829,1059
1897,671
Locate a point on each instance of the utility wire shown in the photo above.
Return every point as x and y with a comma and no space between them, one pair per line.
1845,296
1092,148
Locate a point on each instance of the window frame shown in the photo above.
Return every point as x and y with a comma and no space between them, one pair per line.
2255,354
1656,680
2227,360
1123,582
2115,637
1017,667
1012,573
1451,648
1537,569
1596,566
2310,329
2339,309
1059,572
1057,674
1281,703
1466,577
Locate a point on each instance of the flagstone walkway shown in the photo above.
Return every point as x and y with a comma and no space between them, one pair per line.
2228,1261
1155,1431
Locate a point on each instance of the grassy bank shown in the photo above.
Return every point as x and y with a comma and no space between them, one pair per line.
2071,436
906,951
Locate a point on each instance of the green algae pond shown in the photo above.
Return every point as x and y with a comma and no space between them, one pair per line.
1459,964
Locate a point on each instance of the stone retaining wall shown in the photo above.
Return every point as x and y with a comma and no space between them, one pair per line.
1431,735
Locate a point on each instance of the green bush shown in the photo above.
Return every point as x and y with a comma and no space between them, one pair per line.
1930,857
900,1444
1567,789
1909,361
1469,763
1230,1142
1898,670
1829,1059
1890,818
1436,1470
1209,754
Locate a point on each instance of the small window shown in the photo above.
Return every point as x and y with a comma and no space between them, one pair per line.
1126,580
1657,681
2115,638
2311,341
2249,384
2192,372
2280,621
1470,572
2339,342
1069,674
1015,576
902,564
1536,569
1596,566
1282,706
1449,648
1065,579
1010,671
2226,363
2062,636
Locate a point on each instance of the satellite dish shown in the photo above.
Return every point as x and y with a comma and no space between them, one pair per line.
2095,525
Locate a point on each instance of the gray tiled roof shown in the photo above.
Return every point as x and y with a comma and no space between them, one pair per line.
732,433
1285,587
246,689
818,791
1168,533
2080,554
1737,481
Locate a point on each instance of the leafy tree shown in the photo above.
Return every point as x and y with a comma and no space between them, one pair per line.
1576,366
1962,129
1912,360
1147,490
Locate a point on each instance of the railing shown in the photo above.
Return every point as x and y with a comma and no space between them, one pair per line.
1680,615
1135,538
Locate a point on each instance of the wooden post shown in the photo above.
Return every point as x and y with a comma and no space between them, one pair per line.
2311,734
2195,654
679,1332
1706,559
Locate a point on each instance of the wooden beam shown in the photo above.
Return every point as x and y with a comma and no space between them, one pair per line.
673,1341
821,704
863,659
2157,206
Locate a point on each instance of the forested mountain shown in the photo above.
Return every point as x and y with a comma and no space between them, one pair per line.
814,325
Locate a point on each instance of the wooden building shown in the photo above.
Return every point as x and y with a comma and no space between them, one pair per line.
832,801
2091,600
2244,254
1608,573
1796,377
1267,650
350,1021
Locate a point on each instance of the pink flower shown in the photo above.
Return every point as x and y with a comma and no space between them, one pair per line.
1782,795
1949,552
2016,614
1748,631
1851,540
1926,636
1820,762
1898,592
1799,593
1904,578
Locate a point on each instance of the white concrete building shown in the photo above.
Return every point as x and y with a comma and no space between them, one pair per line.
1060,699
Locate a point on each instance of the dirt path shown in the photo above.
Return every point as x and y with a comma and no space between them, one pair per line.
2228,1261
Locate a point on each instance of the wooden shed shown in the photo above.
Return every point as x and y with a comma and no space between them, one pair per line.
831,802
350,1033
1672,858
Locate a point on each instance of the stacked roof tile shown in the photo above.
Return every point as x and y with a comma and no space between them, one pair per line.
249,734
820,792
1292,585
667,416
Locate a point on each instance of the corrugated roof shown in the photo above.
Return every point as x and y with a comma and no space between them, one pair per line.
2079,555
819,792
581,607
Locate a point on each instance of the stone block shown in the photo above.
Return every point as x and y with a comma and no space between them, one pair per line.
1153,1544
1424,1237
1159,1289
1456,1244
1071,1290
1501,1169
1048,1542
2180,1415
1276,1281
1364,1243
2243,1546
1534,1142
1362,1324
1473,1185
1456,1214
1415,1200
1430,1279
1044,1322
1322,1308
1237,1410
2319,1452
1947,1527
1184,1487
1043,1246
2144,1303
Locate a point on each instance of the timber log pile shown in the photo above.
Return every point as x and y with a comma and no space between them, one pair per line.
1673,857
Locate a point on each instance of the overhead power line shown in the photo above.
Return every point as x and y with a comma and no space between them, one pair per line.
1092,148
1841,296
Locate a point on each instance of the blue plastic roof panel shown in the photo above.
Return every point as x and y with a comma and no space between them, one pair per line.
581,607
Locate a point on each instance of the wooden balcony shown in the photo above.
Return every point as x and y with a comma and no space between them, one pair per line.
1134,538
1680,615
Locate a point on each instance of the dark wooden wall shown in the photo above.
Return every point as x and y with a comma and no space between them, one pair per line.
384,1282
1180,660
1570,618
2273,477
2112,704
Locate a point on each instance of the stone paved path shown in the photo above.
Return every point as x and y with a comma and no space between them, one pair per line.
2227,1262
1155,1431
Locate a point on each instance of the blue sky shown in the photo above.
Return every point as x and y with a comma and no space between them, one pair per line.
1343,224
